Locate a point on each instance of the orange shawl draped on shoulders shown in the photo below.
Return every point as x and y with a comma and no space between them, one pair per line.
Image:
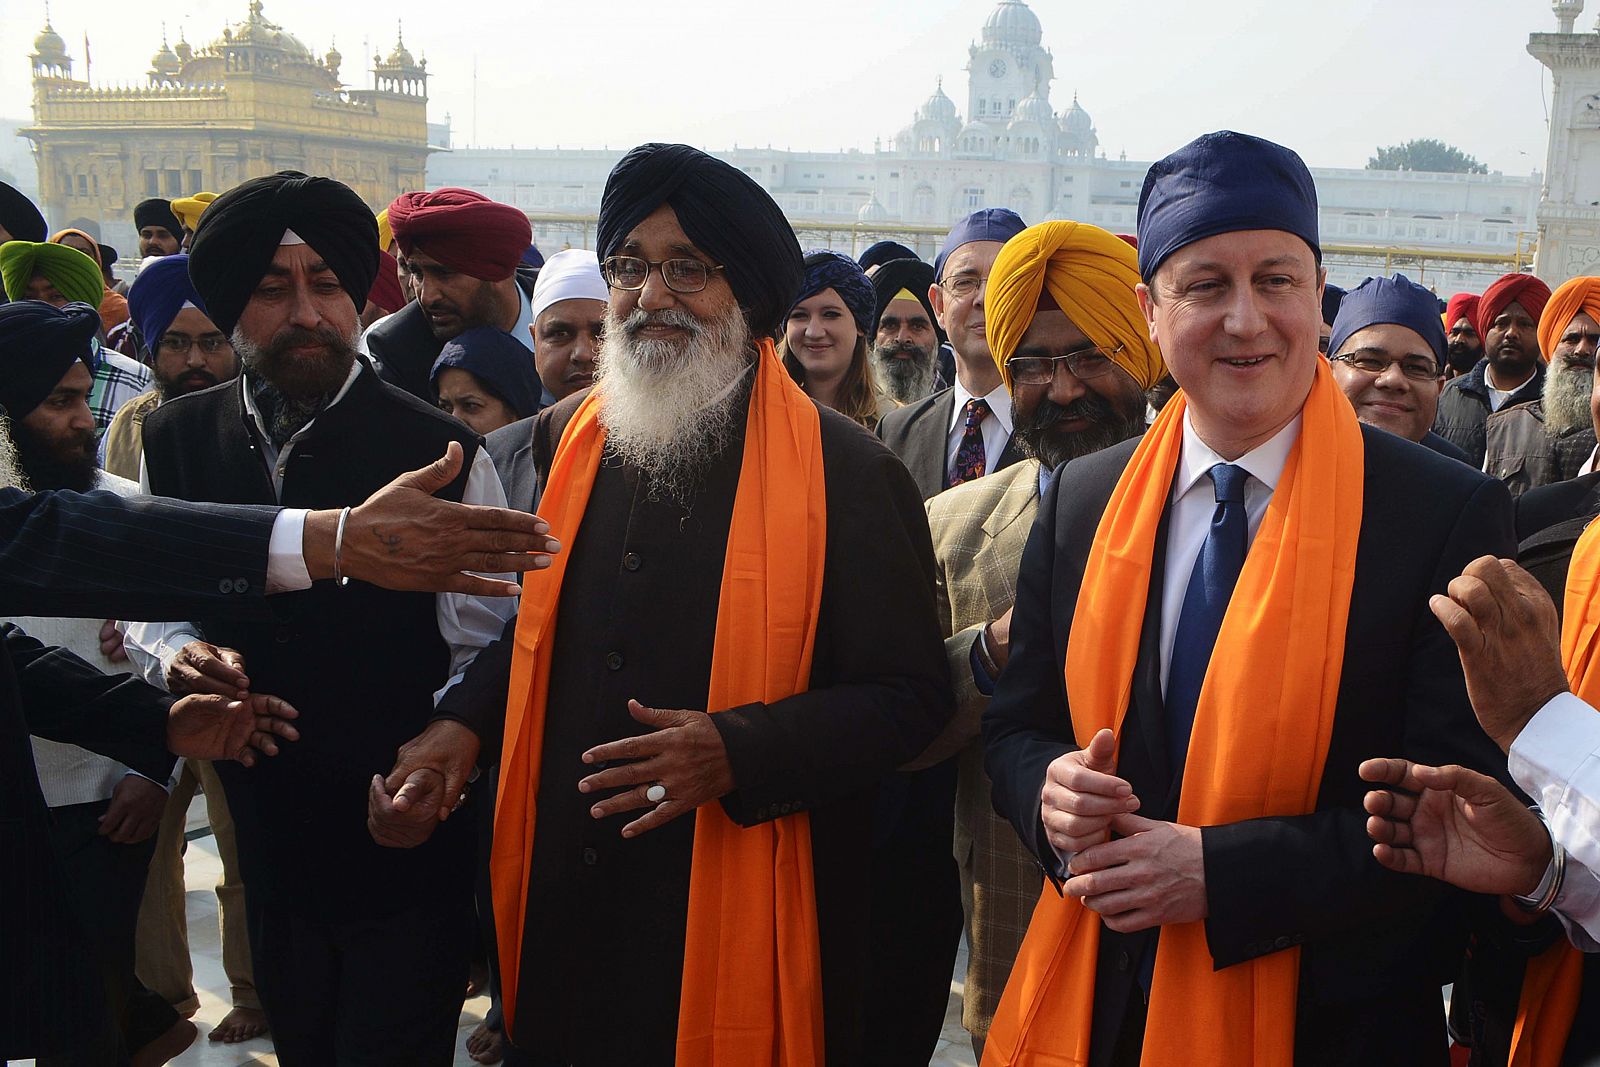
1259,742
752,985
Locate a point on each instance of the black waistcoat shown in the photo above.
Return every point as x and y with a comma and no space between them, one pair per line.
645,567
360,663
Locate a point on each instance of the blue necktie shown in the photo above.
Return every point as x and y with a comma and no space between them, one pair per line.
1216,571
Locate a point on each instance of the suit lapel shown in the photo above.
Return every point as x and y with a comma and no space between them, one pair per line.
1020,493
926,448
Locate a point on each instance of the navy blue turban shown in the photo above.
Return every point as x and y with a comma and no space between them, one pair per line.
835,270
38,345
987,224
241,230
19,217
912,275
722,210
1332,297
532,257
501,362
159,293
883,252
1221,183
1397,300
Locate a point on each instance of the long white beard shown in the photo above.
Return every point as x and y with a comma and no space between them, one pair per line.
1566,397
11,476
667,406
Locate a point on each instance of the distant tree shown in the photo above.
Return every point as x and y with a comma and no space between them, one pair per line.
1427,154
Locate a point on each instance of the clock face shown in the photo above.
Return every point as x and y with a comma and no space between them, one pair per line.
997,69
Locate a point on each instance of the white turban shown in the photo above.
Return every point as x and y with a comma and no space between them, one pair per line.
571,274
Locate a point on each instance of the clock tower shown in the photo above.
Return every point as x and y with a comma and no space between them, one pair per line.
1007,65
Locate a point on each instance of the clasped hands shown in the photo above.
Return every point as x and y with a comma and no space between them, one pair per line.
216,716
684,755
1151,875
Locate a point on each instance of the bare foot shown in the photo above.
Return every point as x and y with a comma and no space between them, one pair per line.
240,1024
477,980
170,1045
485,1045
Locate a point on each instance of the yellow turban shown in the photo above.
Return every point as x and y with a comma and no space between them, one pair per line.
1091,275
75,275
190,208
385,233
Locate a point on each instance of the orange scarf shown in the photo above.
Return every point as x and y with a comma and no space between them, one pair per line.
752,972
1554,978
1260,739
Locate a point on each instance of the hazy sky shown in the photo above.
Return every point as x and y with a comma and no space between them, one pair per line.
1331,80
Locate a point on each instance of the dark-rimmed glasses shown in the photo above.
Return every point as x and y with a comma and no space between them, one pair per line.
1416,368
681,275
1086,363
178,344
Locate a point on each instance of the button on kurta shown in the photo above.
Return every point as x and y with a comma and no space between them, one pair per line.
632,562
614,661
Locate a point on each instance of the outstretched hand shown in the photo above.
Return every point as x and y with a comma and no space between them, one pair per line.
685,756
1455,825
210,726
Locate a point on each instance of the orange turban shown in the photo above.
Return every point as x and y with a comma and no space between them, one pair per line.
1579,294
1091,276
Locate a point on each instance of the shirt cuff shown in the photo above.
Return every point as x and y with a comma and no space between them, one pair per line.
286,557
1553,747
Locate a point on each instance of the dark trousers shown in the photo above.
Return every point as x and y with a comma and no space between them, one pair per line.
381,991
106,883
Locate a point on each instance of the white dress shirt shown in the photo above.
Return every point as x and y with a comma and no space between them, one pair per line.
466,623
1194,502
1556,761
996,426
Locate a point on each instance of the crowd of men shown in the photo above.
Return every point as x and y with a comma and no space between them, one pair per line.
1141,609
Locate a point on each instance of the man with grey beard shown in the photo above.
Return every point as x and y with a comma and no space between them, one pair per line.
1552,439
284,264
617,787
905,342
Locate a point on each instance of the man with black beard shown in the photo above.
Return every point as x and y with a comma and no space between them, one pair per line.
1553,438
697,889
1511,371
1463,346
461,255
1065,330
160,232
906,338
284,264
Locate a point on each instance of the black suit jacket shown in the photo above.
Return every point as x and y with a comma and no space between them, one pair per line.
920,435
1375,945
511,449
1538,509
95,555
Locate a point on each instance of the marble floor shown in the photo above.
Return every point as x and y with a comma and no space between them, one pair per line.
202,868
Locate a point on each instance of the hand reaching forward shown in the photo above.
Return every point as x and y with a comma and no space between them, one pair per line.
427,783
1455,825
1081,793
685,757
209,726
201,667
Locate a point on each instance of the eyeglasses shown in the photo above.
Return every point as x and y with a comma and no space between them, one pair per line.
179,344
962,285
681,275
1086,363
1415,368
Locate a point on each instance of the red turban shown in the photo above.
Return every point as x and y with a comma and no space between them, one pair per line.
464,230
1461,306
386,291
1522,289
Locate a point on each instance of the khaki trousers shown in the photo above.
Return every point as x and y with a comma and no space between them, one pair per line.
162,947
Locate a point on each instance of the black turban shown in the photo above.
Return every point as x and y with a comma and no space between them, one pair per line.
883,252
1332,297
38,345
912,275
156,212
19,217
722,210
241,230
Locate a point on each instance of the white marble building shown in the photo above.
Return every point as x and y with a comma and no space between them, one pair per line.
1010,147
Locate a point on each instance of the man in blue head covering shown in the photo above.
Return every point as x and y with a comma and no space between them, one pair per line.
964,431
1387,352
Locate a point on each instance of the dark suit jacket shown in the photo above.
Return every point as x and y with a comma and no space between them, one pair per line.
920,434
511,449
1375,945
1540,508
95,555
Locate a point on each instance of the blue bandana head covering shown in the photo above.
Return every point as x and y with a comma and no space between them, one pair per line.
501,362
159,293
1221,183
1332,297
532,257
827,269
1397,300
987,224
881,252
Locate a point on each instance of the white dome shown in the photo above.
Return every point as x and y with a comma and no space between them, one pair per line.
1013,23
872,211
1075,119
938,107
1033,109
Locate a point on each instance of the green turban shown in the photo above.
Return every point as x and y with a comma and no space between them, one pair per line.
75,275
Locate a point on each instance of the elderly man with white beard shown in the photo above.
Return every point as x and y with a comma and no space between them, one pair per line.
670,883
1553,438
